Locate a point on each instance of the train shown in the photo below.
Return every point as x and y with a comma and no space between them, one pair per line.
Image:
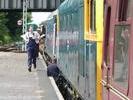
92,42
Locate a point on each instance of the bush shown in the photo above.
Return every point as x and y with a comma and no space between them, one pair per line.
7,39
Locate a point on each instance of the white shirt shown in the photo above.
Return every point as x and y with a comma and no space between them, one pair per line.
35,35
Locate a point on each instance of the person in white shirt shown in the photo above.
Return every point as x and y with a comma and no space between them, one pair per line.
31,40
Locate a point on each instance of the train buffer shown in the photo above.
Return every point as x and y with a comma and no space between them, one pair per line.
16,83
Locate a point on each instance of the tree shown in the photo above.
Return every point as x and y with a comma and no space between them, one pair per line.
9,30
4,32
14,29
13,17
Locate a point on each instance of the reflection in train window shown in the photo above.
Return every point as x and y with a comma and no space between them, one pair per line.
123,5
121,55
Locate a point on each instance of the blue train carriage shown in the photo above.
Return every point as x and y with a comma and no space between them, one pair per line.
71,44
74,34
51,34
79,32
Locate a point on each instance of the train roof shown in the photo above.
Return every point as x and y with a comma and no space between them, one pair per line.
70,5
54,13
50,17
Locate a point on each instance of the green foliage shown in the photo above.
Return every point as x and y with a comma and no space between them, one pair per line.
7,39
9,30
13,17
3,28
3,21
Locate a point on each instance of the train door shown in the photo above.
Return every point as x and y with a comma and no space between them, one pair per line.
54,39
90,70
116,62
54,35
105,65
57,37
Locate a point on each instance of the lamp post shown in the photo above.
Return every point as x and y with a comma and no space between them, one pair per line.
25,7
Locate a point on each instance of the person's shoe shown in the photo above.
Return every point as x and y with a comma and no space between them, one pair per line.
29,69
34,66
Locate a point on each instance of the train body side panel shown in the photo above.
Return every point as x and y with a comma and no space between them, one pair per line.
77,56
50,37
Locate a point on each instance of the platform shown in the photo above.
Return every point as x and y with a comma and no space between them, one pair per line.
16,83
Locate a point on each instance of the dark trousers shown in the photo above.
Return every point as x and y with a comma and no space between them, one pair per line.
31,56
37,51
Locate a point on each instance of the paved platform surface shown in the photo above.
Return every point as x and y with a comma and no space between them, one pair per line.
16,83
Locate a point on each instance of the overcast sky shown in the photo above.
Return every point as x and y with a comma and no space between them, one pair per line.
38,17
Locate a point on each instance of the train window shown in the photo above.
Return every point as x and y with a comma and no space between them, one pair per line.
64,23
121,55
92,14
75,21
122,14
106,37
129,9
70,22
61,23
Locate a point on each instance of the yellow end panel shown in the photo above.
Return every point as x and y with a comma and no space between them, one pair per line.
86,18
99,19
99,71
98,37
99,33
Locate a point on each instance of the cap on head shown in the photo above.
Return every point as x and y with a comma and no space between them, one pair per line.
54,60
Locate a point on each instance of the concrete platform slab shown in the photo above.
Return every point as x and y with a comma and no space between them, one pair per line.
16,83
